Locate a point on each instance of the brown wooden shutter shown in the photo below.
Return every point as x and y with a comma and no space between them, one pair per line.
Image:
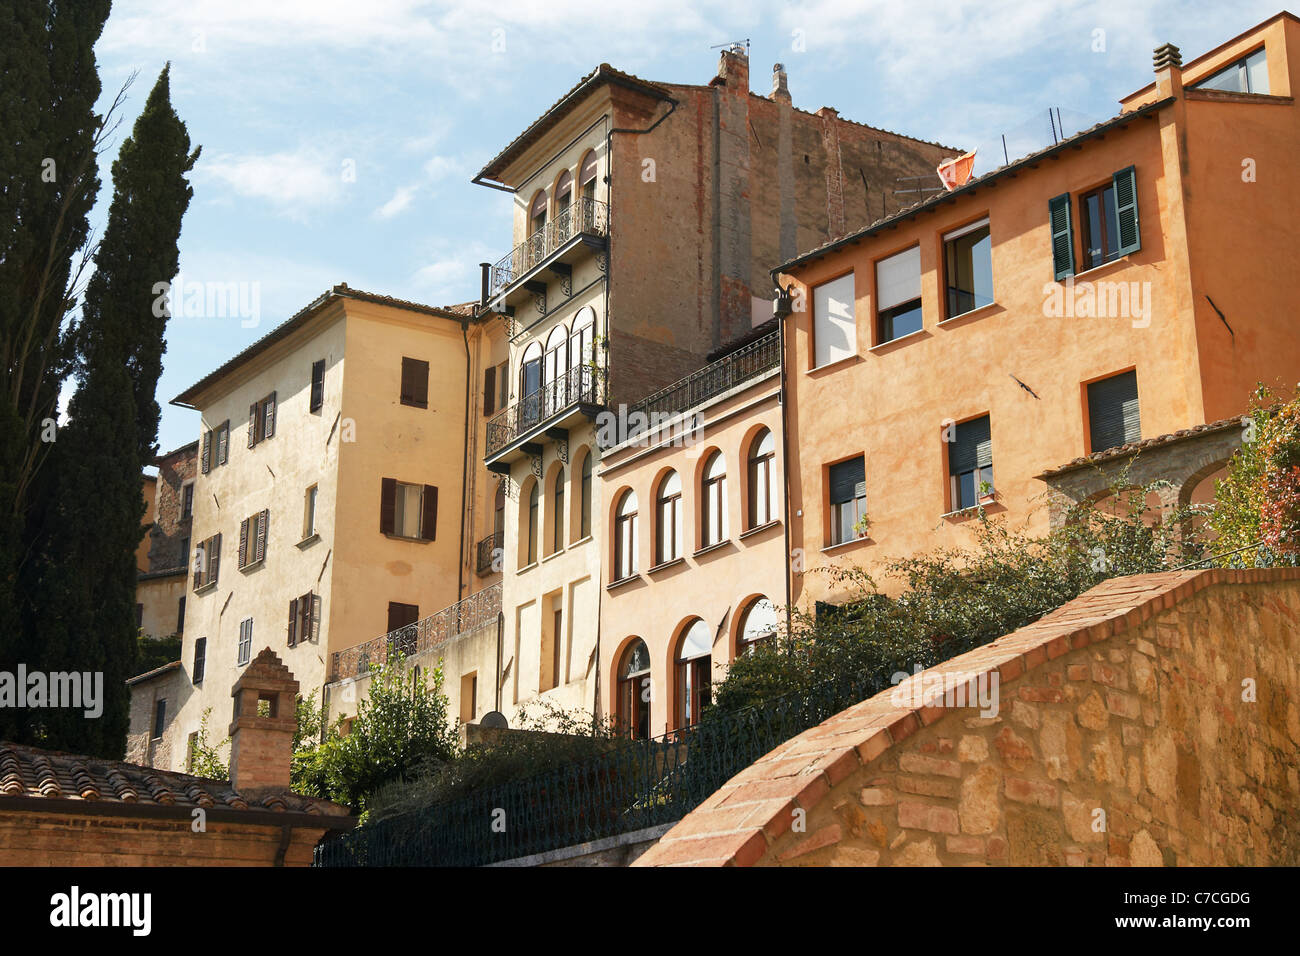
489,390
252,425
200,564
415,382
223,442
261,533
269,431
388,506
429,519
214,558
243,543
314,630
207,451
293,622
317,385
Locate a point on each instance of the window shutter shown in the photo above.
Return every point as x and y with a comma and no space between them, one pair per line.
1058,215
415,382
1126,210
200,556
314,631
214,559
489,390
265,519
252,425
388,505
317,385
973,447
243,543
293,622
207,451
269,430
429,519
223,442
1113,415
845,478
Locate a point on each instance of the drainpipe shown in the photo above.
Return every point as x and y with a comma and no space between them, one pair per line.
785,459
464,468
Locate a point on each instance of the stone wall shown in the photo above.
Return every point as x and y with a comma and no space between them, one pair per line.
1155,720
170,529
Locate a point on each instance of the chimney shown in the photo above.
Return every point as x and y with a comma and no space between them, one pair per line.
265,718
733,69
1168,62
780,91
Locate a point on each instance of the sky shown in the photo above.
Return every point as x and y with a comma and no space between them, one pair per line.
339,137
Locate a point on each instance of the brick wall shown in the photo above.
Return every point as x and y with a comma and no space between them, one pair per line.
1122,737
170,529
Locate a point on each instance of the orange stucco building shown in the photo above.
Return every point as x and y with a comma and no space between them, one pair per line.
1125,283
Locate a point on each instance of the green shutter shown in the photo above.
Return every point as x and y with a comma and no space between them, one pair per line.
1058,215
1126,210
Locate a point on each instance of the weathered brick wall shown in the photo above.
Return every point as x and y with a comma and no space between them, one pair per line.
1124,736
170,529
141,747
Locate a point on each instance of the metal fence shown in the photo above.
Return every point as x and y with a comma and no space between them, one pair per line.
586,216
579,385
634,785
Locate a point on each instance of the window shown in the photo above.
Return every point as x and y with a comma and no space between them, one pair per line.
557,512
554,365
503,382
848,499
402,615
184,550
468,697
499,510
563,193
489,390
587,176
552,637
970,463
694,672
309,513
530,385
408,510
216,447
304,619
898,295
159,717
668,519
634,691
180,615
252,539
415,383
625,537
584,527
758,622
762,484
207,562
713,514
139,615
581,339
1247,75
530,533
261,420
317,385
835,330
1113,416
537,213
200,659
968,268
187,500
1108,220
245,651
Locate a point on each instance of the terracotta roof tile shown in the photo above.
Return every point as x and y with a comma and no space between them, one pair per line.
1134,447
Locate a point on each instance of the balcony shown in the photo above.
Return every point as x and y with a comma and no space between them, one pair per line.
584,223
578,392
476,611
486,550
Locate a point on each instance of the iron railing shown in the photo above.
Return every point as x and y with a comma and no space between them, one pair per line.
580,385
584,217
487,550
467,615
637,784
749,361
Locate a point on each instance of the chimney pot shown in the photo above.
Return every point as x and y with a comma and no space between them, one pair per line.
1167,55
780,87
261,745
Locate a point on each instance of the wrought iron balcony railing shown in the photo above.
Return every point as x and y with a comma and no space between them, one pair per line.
486,552
580,385
749,361
467,615
584,217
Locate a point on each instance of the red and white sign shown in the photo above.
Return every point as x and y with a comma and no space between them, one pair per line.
956,172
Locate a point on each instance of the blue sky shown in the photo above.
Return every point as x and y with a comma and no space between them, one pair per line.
288,97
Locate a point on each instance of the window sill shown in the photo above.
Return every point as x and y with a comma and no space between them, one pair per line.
615,585
760,528
711,547
308,541
900,341
526,567
423,405
553,554
982,312
1088,274
855,357
664,566
988,505
403,537
847,545
583,540
206,588
253,566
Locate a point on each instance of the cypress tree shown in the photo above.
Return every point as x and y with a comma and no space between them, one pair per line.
85,618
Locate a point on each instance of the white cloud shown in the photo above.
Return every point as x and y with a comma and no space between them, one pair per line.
400,201
295,183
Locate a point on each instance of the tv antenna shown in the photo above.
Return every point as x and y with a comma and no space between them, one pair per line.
733,46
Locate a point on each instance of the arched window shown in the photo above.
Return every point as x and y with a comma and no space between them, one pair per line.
713,496
625,537
584,519
530,386
557,511
762,487
554,367
580,340
634,691
694,671
530,532
668,519
537,213
758,622
563,193
499,510
587,176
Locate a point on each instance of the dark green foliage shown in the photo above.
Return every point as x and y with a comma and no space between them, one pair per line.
157,651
